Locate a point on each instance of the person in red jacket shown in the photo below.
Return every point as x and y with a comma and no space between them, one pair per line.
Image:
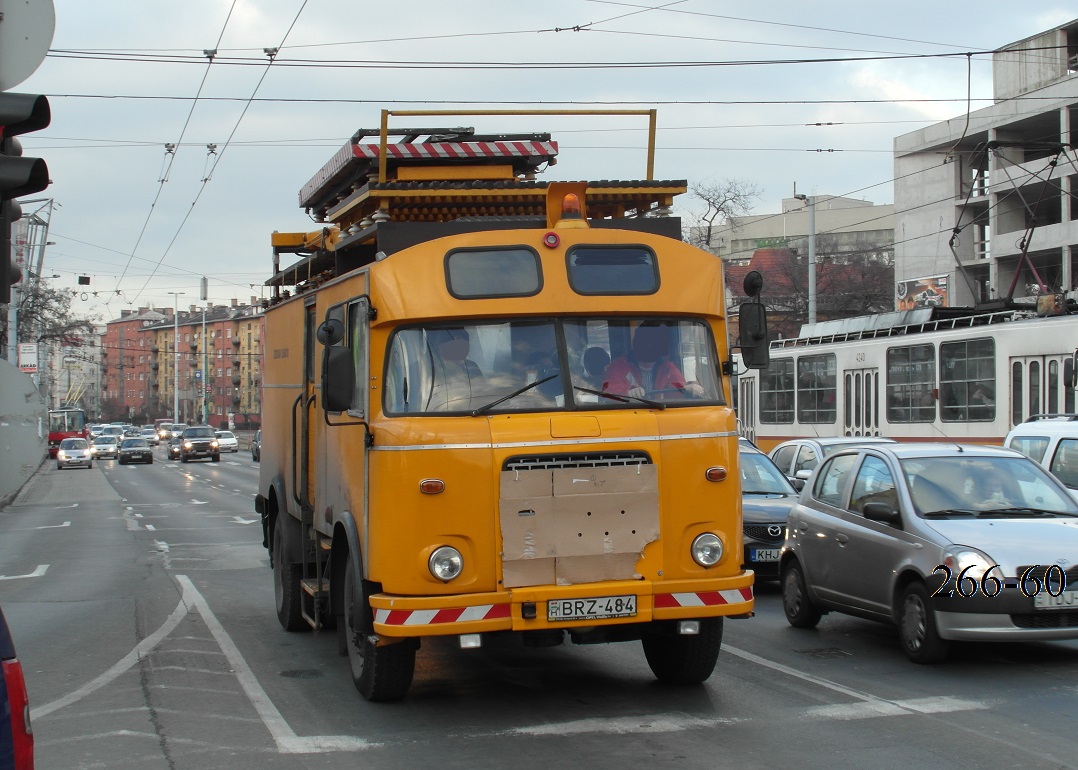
647,372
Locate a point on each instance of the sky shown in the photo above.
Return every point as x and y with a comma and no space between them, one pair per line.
169,164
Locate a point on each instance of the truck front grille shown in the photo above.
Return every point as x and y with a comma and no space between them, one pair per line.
588,460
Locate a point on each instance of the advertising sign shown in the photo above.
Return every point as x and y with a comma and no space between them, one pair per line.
922,292
28,357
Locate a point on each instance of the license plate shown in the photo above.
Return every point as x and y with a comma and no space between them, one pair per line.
596,608
1045,601
765,554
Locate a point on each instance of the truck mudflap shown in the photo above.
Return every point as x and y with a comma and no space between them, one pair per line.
532,608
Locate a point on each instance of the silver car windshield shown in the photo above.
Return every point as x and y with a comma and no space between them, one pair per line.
984,486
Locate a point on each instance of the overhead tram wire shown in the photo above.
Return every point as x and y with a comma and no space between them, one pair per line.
170,153
271,53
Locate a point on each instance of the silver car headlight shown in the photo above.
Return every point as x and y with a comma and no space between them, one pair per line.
961,557
707,550
445,563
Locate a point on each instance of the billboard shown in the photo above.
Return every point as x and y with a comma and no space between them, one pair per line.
28,357
922,292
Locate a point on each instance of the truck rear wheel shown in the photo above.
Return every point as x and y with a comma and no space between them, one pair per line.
683,658
379,673
286,577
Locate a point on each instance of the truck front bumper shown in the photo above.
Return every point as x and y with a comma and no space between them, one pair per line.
525,609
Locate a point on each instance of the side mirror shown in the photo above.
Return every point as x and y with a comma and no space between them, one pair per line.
338,378
752,330
882,512
330,331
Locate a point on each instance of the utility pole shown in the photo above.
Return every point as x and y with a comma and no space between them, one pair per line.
205,361
810,201
176,357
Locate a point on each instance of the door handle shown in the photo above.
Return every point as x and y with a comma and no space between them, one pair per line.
841,538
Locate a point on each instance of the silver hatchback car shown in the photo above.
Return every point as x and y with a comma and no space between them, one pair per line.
947,542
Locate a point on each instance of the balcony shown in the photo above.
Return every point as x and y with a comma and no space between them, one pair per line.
235,342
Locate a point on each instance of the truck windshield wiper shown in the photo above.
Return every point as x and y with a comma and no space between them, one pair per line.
514,394
621,397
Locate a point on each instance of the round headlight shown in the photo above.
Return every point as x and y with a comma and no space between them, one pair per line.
707,550
445,563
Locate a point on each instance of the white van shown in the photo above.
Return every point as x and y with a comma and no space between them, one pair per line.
1051,440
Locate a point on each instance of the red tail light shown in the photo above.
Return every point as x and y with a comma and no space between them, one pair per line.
22,733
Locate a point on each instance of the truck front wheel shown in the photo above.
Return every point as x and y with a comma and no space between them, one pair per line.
682,658
379,673
286,577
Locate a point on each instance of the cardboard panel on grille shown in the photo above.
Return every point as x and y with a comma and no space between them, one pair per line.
576,525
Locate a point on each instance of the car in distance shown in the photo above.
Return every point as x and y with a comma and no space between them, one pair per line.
256,446
1052,441
947,542
199,441
173,446
74,453
766,499
227,440
105,446
150,435
135,450
16,734
798,457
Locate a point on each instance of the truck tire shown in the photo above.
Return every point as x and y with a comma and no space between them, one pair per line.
682,658
379,673
286,577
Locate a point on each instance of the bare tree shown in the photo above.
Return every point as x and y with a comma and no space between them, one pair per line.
44,315
724,199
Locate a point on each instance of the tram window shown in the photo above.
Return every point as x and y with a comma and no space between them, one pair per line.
1053,387
613,270
967,381
1016,392
777,392
483,273
1034,387
911,378
816,389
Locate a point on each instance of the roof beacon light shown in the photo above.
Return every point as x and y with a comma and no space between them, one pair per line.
570,206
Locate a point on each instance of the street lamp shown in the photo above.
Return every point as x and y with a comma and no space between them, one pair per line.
176,357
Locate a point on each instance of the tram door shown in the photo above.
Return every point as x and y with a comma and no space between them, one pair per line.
746,407
861,402
1036,387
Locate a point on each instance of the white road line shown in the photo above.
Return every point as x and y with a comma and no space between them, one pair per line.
869,705
283,735
55,526
41,569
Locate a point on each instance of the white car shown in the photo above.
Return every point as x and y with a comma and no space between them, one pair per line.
227,441
1052,441
74,453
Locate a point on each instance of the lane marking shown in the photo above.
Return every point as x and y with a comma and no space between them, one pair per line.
241,520
41,569
54,526
869,705
283,735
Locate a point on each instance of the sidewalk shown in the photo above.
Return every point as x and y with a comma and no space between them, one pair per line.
49,486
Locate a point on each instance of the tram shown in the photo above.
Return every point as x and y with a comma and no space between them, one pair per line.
930,374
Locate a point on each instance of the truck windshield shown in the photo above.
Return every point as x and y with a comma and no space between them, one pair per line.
575,363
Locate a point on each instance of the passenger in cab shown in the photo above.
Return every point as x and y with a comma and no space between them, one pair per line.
647,371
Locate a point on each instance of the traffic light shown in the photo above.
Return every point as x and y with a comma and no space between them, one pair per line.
19,114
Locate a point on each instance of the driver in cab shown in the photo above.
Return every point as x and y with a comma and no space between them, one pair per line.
648,371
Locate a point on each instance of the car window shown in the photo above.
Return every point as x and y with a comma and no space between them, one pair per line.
135,443
760,476
199,433
807,459
73,443
1030,446
224,434
874,483
784,455
831,480
1065,462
